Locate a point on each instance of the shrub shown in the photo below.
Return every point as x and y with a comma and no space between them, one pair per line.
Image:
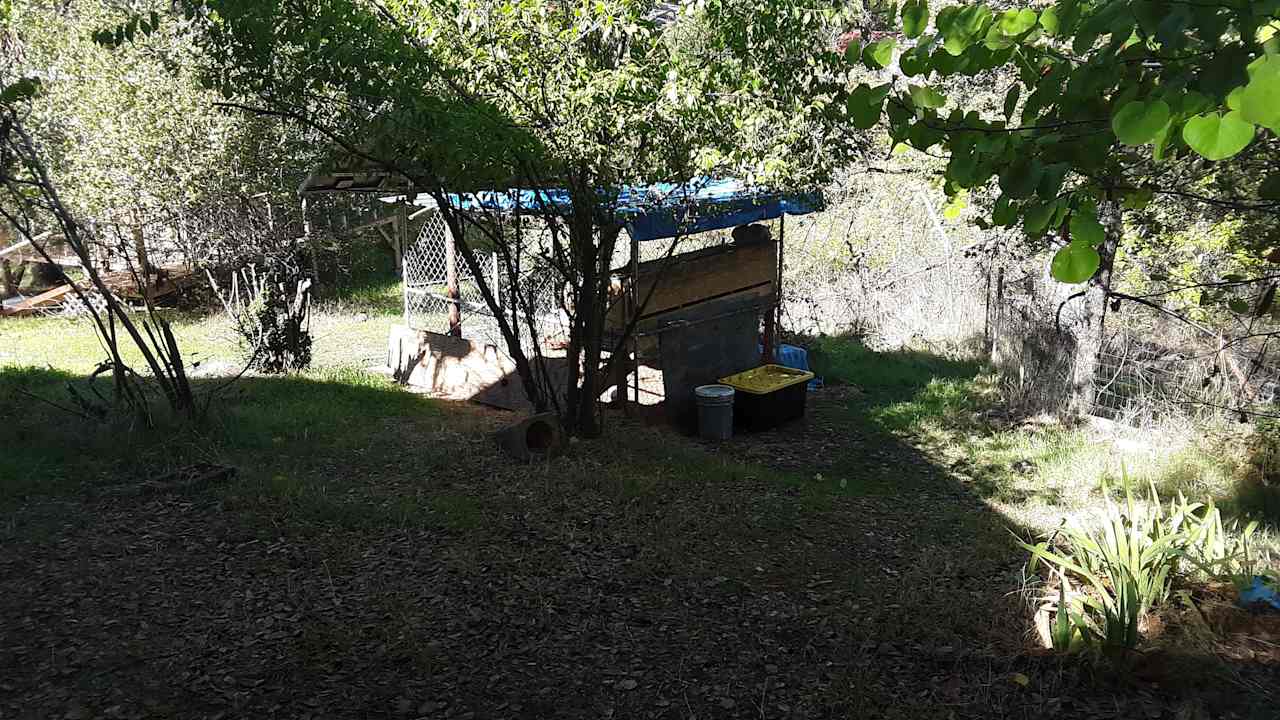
1218,550
1127,564
270,311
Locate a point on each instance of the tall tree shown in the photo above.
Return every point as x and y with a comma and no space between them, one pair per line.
1109,104
134,140
588,96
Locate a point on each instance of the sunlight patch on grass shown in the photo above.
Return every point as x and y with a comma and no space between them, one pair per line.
942,403
1036,471
72,344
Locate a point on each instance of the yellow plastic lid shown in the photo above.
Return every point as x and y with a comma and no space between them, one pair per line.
766,379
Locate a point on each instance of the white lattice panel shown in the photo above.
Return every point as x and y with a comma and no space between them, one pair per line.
425,292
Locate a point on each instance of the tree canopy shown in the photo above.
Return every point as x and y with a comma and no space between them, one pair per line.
1106,101
589,96
484,94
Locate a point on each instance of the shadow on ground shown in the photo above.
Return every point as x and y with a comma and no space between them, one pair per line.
374,557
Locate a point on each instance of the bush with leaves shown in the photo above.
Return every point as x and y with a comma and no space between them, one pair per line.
270,310
1108,106
1127,563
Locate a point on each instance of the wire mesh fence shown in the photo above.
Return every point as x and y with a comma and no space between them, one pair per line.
1148,366
886,263
427,302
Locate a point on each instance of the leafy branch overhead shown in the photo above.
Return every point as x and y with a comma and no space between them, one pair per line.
1103,93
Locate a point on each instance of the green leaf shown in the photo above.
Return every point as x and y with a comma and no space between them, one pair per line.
1224,70
1011,100
914,62
923,137
1075,263
1217,137
1086,229
20,90
947,64
1004,213
853,51
1161,148
1016,22
961,27
1037,217
997,40
1051,182
957,205
927,97
879,54
1238,306
1049,21
1139,123
1235,98
865,104
1020,180
915,18
1260,101
1062,628
1083,42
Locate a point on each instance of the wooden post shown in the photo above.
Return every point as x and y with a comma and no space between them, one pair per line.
635,308
774,311
986,312
144,262
401,234
402,243
8,287
309,240
451,284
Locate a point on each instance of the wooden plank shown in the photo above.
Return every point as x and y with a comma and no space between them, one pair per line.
36,301
14,248
703,275
24,243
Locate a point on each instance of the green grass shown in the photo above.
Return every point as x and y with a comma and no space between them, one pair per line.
303,442
72,345
1037,471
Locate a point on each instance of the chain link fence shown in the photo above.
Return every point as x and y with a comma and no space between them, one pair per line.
1149,366
427,301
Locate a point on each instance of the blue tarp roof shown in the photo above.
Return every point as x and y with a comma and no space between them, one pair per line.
651,212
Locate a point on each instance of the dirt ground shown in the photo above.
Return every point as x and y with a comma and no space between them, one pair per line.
821,571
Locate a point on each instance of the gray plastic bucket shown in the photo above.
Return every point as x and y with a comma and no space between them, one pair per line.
715,411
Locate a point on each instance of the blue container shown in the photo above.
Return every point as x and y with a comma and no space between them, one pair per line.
794,356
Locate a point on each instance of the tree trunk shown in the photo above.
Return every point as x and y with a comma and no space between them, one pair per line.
450,281
144,262
510,333
595,305
1090,319
8,286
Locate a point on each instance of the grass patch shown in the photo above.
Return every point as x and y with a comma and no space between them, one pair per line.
1038,470
72,344
339,425
895,375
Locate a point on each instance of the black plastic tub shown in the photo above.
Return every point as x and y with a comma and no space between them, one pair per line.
768,396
